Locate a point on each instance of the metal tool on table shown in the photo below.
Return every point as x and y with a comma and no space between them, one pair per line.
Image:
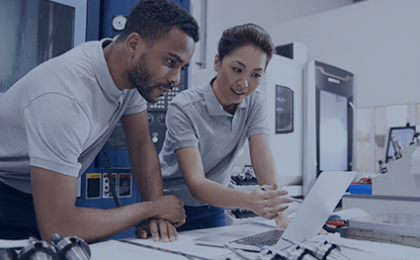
329,251
8,254
70,248
297,252
324,250
38,250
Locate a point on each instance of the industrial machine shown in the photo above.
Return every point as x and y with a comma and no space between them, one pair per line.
400,175
114,15
311,115
283,88
96,188
393,206
397,138
396,187
329,121
36,30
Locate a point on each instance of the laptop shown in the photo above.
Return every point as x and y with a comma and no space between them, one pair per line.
314,211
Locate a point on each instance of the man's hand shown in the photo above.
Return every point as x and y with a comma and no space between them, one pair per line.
154,227
169,208
266,201
169,213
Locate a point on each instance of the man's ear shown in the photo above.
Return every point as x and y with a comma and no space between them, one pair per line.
133,43
216,63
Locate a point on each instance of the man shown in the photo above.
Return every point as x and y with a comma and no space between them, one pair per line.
54,121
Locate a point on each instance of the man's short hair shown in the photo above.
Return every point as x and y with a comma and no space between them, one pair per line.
154,19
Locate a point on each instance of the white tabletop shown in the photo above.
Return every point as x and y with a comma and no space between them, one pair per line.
354,249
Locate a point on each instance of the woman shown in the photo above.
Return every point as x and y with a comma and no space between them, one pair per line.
207,128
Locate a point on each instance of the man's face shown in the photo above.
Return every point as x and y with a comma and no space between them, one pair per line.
159,65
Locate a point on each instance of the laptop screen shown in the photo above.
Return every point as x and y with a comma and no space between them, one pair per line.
317,206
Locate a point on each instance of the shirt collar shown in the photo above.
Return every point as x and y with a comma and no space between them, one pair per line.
213,105
103,74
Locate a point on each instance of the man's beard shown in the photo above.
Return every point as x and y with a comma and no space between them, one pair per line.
141,78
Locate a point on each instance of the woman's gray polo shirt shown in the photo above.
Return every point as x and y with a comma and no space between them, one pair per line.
196,118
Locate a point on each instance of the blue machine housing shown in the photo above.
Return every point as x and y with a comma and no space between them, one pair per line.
93,184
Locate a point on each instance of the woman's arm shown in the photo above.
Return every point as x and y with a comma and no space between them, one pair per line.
262,160
264,203
263,164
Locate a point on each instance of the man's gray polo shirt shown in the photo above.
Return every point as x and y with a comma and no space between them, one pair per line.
60,115
196,118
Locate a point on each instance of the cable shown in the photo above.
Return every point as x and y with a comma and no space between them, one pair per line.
112,186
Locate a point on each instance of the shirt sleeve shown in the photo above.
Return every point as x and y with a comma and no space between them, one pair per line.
181,132
258,115
136,103
57,128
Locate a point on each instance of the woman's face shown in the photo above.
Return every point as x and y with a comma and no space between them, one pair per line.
238,75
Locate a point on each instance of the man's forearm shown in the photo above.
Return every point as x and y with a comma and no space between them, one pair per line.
54,195
93,224
146,172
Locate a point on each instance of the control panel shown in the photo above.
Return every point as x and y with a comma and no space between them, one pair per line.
95,186
157,113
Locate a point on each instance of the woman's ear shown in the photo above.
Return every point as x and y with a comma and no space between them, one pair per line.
216,63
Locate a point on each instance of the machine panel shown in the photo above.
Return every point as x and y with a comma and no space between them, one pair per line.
95,187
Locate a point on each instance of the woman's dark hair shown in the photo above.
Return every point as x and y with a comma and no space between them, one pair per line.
153,19
242,35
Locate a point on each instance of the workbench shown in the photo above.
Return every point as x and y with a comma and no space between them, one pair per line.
354,249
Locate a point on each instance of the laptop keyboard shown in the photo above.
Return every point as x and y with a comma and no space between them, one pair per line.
267,238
